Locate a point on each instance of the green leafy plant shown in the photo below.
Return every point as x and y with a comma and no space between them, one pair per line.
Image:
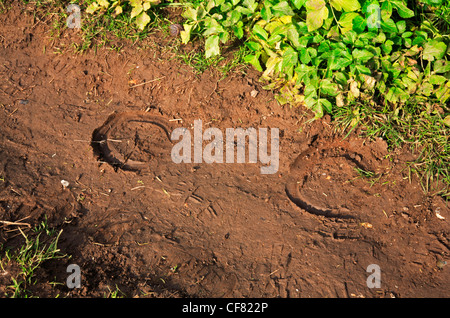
326,53
138,12
217,21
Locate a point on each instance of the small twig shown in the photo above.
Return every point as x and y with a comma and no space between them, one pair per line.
189,98
15,223
153,80
274,272
15,191
135,188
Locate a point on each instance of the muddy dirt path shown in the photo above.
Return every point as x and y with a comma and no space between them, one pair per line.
198,229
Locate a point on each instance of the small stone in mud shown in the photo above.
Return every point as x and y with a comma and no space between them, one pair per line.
175,29
440,264
64,183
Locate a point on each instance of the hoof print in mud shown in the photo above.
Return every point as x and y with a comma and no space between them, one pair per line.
125,144
320,177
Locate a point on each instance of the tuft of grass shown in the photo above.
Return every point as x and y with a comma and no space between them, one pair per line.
418,126
22,263
117,293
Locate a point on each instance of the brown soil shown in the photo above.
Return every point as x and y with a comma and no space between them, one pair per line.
199,230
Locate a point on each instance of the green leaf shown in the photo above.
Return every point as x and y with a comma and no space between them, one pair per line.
346,5
407,42
341,78
266,13
224,37
361,69
326,105
254,46
324,47
418,41
389,26
386,10
103,3
190,14
317,13
434,49
402,9
327,87
401,26
340,59
441,66
298,4
293,36
92,7
362,55
387,46
305,58
186,33
328,22
437,79
235,17
238,31
253,59
359,24
305,72
407,34
446,121
290,60
212,27
212,46
142,20
315,105
136,11
346,21
260,32
349,37
282,8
